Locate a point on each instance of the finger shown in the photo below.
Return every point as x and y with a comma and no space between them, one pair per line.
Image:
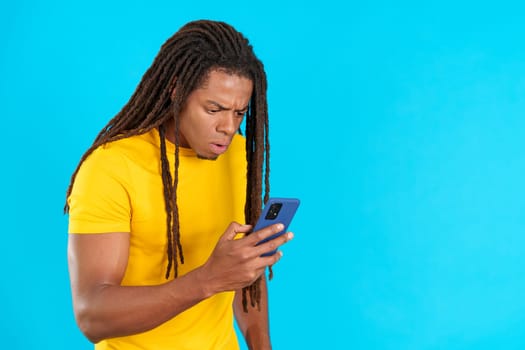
233,229
274,244
257,236
265,261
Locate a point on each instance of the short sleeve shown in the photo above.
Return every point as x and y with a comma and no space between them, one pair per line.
100,201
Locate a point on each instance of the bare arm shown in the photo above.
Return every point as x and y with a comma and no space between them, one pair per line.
254,323
103,307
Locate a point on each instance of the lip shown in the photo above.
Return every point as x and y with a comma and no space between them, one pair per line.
219,148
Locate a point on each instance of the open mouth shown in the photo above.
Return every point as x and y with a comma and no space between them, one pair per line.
218,148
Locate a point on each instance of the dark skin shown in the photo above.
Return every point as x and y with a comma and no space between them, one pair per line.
97,262
102,306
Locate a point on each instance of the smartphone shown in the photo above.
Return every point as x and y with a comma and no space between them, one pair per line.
276,210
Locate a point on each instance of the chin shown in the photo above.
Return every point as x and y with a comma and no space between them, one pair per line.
214,157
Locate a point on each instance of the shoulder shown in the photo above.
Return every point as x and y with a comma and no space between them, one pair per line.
133,146
238,144
235,157
237,150
113,160
103,166
118,153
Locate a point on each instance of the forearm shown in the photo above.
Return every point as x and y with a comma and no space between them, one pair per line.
254,324
105,309
111,310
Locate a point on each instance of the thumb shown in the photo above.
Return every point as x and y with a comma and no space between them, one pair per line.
234,229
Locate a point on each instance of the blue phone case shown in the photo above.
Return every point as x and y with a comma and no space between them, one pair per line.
277,210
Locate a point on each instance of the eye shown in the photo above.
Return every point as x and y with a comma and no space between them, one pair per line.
240,114
213,111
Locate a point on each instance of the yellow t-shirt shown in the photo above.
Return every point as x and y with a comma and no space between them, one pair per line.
119,189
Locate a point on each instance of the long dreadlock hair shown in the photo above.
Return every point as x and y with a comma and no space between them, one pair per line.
182,65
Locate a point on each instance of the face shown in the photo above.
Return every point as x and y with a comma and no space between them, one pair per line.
213,113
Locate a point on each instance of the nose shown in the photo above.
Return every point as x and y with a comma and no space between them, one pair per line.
227,124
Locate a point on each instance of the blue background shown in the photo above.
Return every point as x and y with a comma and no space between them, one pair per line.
399,124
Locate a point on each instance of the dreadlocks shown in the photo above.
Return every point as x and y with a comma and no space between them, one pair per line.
182,65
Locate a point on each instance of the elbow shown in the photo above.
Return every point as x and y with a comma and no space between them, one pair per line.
91,334
88,325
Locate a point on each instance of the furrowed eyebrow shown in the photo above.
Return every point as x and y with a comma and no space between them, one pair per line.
222,108
217,105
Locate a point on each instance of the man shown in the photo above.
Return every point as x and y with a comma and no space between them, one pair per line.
158,258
